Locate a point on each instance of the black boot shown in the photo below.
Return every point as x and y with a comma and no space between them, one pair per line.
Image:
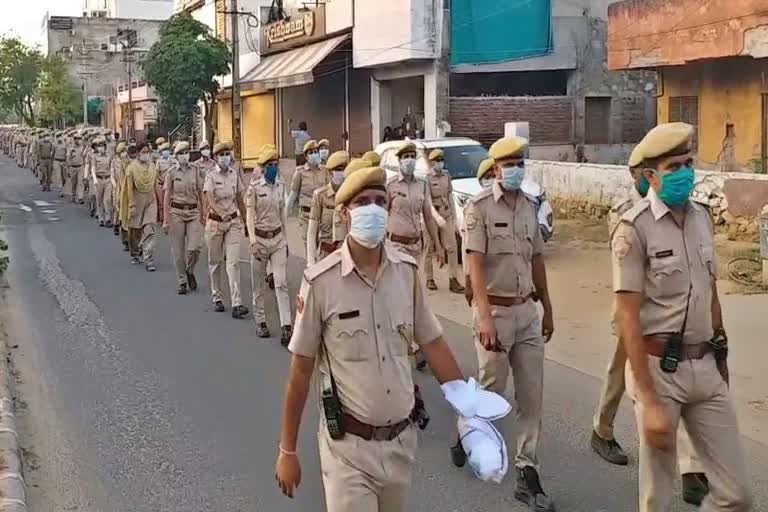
192,281
182,289
286,333
695,488
239,312
529,491
218,307
262,331
609,450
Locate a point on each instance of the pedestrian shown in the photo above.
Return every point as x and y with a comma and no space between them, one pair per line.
44,158
366,438
441,193
327,226
307,179
324,150
75,161
506,264
183,216
267,228
117,175
300,138
670,321
60,161
143,195
224,228
101,177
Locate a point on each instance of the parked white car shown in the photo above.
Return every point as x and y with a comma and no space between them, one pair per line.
462,158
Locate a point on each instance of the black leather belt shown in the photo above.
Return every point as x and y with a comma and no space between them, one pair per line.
370,433
182,206
267,234
219,218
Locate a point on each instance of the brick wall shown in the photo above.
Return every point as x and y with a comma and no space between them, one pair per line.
483,118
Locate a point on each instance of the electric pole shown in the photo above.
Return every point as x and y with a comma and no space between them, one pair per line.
131,125
236,110
85,102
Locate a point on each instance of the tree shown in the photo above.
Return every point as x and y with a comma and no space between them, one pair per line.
60,99
182,66
20,68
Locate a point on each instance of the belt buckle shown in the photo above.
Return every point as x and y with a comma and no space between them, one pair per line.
381,433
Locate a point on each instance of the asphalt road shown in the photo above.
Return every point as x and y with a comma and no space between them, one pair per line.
134,399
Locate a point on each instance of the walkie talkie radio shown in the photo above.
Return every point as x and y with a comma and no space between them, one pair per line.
673,348
331,404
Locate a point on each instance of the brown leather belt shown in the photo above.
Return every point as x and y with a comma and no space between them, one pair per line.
370,433
306,208
329,246
408,240
182,206
219,218
654,346
267,234
505,302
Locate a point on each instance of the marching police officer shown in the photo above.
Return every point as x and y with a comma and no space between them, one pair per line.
504,246
669,318
441,193
60,161
324,150
224,227
102,181
372,157
367,440
183,216
44,157
163,160
75,160
142,195
267,228
307,178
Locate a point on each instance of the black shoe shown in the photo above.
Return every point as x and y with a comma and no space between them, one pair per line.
182,289
219,307
151,267
609,450
101,223
421,363
458,455
455,286
695,488
271,281
81,201
116,229
108,224
262,331
192,281
239,311
126,248
431,284
135,261
529,491
286,333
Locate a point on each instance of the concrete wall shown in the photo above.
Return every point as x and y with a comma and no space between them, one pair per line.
142,9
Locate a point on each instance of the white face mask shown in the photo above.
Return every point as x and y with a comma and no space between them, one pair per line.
368,225
324,155
407,166
144,157
165,153
337,177
183,158
313,160
223,161
206,153
123,154
438,167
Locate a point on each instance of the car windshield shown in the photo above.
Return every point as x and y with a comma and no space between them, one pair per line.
463,161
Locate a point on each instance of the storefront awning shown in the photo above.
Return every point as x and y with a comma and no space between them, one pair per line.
293,67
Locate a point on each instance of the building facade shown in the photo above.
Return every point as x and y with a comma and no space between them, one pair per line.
712,63
129,9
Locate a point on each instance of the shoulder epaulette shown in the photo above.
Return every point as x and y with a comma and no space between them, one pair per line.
633,213
322,266
486,192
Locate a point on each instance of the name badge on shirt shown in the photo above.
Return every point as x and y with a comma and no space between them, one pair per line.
349,314
665,254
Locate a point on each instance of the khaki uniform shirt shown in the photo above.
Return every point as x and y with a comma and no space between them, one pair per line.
503,226
620,207
441,191
264,206
331,224
408,200
186,187
225,186
367,329
75,156
60,151
654,256
205,165
99,165
305,182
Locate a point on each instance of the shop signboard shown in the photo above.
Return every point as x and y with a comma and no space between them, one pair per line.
300,29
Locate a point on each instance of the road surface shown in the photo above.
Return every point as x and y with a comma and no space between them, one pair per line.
134,399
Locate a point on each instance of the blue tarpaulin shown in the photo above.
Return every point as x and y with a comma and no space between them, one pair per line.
486,31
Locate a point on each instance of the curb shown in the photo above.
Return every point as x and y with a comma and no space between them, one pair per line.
12,493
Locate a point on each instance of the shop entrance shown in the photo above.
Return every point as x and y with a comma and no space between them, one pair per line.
402,108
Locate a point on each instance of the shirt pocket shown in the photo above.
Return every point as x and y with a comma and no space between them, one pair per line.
351,338
501,238
402,331
668,275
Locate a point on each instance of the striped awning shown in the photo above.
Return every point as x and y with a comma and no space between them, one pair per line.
293,67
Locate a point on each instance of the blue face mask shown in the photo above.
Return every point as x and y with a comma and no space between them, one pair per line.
313,160
270,173
512,178
676,187
643,186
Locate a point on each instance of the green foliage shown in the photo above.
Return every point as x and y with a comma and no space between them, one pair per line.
20,68
60,99
182,65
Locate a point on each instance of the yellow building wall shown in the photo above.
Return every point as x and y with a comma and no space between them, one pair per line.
729,92
258,125
224,120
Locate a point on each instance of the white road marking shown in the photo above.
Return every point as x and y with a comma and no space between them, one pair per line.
25,208
49,211
54,218
42,203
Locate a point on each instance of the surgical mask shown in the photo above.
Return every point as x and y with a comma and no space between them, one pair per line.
512,178
313,160
676,187
643,186
438,167
270,173
223,161
165,153
407,166
368,225
324,155
486,182
123,155
337,177
206,153
144,157
183,159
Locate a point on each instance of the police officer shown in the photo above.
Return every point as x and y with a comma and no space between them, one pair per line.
667,312
183,218
307,178
44,156
367,441
102,181
156,148
324,150
441,193
163,160
224,227
267,228
205,163
60,161
409,201
75,161
504,246
327,227
372,157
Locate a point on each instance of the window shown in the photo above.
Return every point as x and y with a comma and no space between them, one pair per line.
597,120
685,109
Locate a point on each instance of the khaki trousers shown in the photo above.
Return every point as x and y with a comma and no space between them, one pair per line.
275,253
60,172
448,241
367,476
518,330
223,239
186,240
303,228
46,172
143,239
73,181
697,395
614,386
104,199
